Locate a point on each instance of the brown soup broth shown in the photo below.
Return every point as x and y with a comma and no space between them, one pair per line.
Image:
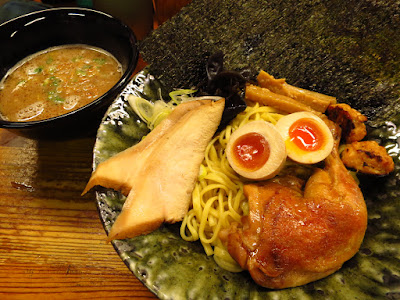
56,81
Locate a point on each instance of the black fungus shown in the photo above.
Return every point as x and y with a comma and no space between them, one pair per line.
225,83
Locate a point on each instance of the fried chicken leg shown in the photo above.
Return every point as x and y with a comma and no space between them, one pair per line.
293,236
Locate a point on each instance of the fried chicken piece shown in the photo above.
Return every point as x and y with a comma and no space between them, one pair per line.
292,237
350,120
367,157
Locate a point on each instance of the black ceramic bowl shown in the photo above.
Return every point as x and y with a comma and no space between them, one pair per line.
28,34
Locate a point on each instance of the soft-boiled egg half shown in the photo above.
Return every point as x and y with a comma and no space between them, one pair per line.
307,138
256,150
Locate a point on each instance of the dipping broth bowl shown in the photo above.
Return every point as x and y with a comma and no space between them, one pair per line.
37,31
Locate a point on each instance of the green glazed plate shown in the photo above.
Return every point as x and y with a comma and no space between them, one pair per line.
174,269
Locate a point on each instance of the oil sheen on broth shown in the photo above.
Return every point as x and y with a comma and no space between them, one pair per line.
56,81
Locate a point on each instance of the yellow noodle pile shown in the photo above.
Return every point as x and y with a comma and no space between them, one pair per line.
218,198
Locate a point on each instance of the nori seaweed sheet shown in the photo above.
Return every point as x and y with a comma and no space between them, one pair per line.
345,48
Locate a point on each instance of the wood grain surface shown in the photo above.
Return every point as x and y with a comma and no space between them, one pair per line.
52,243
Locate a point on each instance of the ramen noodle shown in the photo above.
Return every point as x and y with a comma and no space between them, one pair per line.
218,198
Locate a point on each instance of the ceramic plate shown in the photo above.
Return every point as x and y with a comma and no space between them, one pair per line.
174,269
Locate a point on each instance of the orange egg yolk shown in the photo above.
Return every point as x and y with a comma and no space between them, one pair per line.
306,135
251,151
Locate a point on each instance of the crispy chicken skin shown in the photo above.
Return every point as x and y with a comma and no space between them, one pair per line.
350,120
367,157
293,236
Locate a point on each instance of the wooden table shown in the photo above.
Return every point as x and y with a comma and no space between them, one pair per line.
52,243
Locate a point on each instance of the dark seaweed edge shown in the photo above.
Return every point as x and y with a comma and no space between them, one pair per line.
348,49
